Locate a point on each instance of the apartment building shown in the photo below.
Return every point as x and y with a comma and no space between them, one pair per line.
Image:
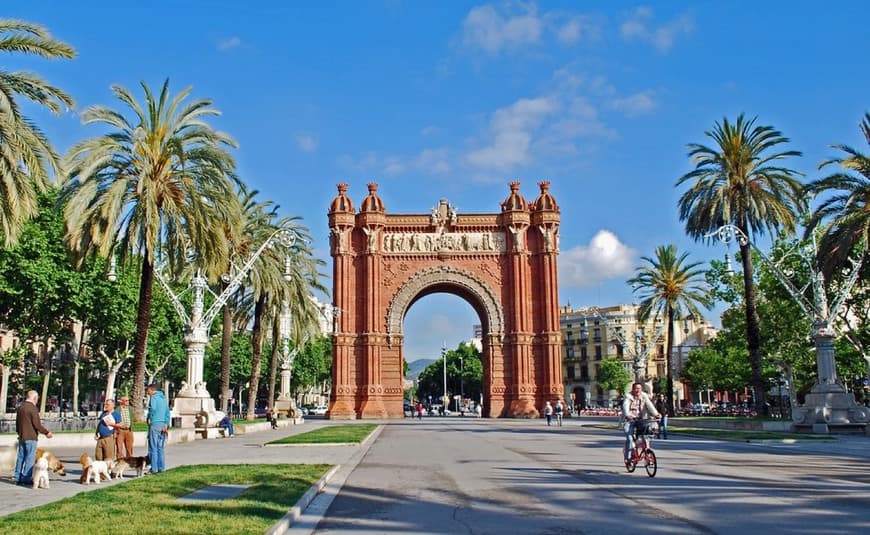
593,334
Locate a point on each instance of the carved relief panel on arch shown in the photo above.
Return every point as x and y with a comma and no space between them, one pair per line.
450,242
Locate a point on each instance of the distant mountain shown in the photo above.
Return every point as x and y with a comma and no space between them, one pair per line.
416,368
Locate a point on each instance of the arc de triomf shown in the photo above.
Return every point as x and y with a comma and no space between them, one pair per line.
503,264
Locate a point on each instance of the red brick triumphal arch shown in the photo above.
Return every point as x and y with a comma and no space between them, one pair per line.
503,264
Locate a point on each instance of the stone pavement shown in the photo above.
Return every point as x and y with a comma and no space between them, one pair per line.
239,449
460,475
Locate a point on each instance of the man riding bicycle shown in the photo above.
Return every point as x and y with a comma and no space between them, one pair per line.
636,407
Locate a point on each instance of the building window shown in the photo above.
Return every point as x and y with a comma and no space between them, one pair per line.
598,352
597,334
570,335
570,372
583,354
570,352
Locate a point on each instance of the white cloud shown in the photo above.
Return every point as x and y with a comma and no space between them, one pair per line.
307,142
487,29
433,161
511,129
637,104
604,258
229,43
638,27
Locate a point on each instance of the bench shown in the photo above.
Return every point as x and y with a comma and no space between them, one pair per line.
211,432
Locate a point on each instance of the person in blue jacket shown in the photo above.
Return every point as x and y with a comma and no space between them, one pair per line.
158,427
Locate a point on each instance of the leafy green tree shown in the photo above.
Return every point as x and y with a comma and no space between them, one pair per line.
151,189
240,363
431,380
612,375
741,181
670,288
26,154
312,366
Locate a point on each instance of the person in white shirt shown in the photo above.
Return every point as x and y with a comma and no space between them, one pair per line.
635,408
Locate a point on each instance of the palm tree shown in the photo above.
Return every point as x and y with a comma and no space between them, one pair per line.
671,287
243,242
25,153
844,216
740,182
289,278
151,188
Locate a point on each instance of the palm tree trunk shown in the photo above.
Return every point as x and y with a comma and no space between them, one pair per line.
753,331
143,321
256,354
273,362
669,371
226,341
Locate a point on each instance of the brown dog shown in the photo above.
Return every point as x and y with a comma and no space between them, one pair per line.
86,461
54,464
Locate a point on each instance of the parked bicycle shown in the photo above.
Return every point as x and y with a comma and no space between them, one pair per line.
641,448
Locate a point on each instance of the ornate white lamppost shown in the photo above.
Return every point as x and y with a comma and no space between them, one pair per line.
828,403
193,403
285,402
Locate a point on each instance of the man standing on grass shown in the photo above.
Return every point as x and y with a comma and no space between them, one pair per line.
124,431
28,427
158,427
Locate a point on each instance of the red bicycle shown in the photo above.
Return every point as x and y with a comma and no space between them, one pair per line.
641,449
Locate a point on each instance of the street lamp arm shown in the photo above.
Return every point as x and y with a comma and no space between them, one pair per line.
727,233
176,302
240,274
847,287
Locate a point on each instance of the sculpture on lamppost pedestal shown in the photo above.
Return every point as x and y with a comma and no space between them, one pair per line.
193,403
828,403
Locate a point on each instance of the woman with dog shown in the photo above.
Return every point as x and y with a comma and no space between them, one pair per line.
28,426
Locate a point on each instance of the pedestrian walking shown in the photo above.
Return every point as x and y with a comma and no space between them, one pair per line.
28,427
548,412
419,411
662,407
559,410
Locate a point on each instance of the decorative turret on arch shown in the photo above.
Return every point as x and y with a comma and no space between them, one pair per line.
503,264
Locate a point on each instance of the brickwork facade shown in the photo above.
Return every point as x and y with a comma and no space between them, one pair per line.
503,264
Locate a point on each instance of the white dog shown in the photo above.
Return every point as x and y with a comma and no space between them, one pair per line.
40,474
97,469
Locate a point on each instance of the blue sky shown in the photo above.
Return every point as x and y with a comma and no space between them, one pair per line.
456,99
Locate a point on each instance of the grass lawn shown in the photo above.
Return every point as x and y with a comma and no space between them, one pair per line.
351,433
148,504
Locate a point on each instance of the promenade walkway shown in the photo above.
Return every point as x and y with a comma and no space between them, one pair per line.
461,475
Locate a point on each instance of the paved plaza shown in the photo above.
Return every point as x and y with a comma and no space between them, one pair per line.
462,475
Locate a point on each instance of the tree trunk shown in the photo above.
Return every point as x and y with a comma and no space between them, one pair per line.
77,364
668,350
753,331
273,362
143,321
4,387
256,354
226,343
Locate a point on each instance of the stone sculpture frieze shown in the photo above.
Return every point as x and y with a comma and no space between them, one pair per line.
448,242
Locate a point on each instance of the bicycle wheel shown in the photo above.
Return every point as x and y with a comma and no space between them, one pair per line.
650,464
629,465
